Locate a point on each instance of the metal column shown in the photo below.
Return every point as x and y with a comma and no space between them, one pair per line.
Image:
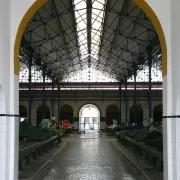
134,99
52,97
58,102
120,104
30,92
89,25
150,98
126,100
44,95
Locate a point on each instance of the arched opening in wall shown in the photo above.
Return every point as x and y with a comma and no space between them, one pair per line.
66,113
89,118
22,112
157,113
139,115
112,112
40,113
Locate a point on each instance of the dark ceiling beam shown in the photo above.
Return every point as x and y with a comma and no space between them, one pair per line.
89,12
94,85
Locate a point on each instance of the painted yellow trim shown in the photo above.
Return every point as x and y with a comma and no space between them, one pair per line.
141,3
27,17
157,25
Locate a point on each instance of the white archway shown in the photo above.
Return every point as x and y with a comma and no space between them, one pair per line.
89,118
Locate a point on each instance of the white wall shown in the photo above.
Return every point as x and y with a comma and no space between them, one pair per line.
102,105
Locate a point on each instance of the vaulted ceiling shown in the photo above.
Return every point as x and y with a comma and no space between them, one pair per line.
111,36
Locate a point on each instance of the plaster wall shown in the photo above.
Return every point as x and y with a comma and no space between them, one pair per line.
102,106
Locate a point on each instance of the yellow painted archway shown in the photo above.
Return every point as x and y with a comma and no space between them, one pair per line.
141,3
157,25
27,17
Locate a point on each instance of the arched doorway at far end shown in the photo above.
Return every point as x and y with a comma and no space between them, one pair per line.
89,118
157,113
139,115
66,113
40,115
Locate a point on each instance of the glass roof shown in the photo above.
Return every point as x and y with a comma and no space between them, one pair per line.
97,19
81,20
89,41
36,75
90,75
143,75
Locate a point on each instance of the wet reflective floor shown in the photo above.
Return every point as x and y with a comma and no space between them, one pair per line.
88,157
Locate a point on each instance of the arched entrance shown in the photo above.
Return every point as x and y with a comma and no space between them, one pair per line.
157,113
89,118
40,116
22,112
66,113
112,112
139,115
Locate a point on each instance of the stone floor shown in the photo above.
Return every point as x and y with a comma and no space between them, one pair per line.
89,157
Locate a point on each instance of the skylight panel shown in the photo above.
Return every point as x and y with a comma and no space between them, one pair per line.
97,28
90,75
81,20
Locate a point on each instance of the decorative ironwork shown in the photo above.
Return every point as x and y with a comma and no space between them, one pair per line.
69,37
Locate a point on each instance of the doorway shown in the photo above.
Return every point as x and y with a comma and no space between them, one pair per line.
89,118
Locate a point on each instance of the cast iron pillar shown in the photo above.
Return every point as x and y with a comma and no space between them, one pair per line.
120,103
150,84
58,102
134,98
126,100
44,95
30,92
52,97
